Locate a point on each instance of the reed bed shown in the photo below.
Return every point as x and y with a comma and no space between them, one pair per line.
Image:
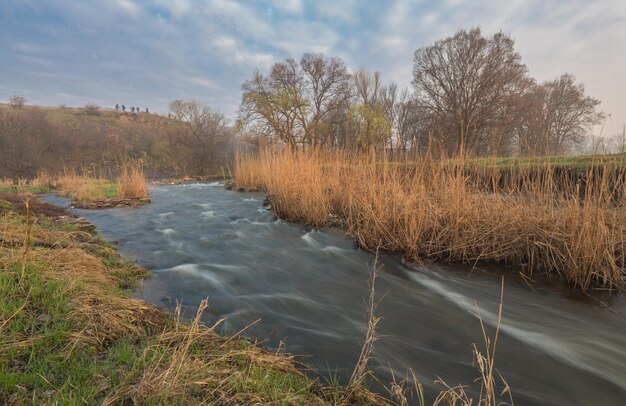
131,184
544,219
84,186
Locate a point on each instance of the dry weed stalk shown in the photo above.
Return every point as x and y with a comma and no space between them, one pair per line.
361,370
27,237
485,363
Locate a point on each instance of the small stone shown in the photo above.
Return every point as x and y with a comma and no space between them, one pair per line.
43,318
166,299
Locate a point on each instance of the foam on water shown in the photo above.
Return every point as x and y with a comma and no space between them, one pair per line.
310,240
167,232
195,270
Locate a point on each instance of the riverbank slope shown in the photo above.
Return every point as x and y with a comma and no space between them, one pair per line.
535,218
71,333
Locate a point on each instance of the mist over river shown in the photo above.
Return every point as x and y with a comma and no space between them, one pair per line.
308,288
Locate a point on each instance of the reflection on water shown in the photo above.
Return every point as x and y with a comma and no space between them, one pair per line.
308,288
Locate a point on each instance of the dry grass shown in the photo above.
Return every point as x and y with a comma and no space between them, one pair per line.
86,187
82,188
131,184
71,335
489,395
537,218
361,371
23,185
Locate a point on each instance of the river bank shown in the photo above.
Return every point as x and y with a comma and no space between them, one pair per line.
536,218
72,333
295,287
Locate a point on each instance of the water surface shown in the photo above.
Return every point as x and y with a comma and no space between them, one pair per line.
308,289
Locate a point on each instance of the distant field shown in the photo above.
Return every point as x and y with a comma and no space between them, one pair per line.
573,161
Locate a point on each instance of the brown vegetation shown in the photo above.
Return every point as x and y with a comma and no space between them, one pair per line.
131,184
92,139
530,218
88,191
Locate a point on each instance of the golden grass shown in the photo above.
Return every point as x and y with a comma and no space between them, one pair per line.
537,218
131,184
84,187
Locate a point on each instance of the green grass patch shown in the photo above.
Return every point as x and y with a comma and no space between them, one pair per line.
569,161
24,188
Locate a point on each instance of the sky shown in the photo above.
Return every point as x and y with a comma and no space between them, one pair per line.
147,53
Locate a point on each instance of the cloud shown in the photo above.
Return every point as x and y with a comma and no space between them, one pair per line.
230,51
150,52
290,7
129,7
344,11
178,9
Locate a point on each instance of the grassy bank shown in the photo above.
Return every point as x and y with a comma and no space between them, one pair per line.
584,162
87,190
568,227
71,334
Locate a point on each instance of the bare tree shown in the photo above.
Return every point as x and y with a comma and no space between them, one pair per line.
555,116
92,109
371,115
296,104
465,84
570,113
367,86
270,104
202,141
17,101
411,132
327,91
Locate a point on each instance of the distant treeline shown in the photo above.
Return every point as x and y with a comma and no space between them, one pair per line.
196,141
470,93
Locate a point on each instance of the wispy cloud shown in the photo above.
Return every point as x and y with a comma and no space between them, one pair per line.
142,52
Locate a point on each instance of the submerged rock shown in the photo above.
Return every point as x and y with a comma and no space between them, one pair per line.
112,203
267,202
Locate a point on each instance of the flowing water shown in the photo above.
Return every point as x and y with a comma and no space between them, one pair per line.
308,289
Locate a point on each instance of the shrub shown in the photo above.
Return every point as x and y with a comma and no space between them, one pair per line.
17,101
92,109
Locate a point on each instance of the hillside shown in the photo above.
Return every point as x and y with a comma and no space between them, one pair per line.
53,139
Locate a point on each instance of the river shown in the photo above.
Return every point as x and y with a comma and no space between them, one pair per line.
308,289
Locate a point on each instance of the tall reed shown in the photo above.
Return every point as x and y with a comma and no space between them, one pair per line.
131,183
87,186
564,223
